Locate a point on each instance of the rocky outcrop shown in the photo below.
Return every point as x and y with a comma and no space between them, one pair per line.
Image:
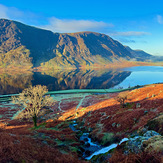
156,124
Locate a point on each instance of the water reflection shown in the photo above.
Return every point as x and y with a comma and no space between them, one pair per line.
63,80
10,84
82,79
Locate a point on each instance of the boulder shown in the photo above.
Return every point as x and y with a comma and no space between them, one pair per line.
155,143
156,124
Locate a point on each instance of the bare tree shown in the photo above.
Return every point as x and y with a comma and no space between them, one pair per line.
33,99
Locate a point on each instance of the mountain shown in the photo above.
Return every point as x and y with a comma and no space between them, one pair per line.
38,42
139,55
25,45
157,58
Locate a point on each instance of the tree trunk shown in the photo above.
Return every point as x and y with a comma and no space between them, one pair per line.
35,120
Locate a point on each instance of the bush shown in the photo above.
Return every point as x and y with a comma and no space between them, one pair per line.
122,98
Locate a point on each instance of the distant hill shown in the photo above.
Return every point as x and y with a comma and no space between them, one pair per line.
156,58
25,45
139,55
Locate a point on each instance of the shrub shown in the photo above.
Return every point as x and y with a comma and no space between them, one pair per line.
122,98
107,138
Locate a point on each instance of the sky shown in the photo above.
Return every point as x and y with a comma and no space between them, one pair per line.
138,24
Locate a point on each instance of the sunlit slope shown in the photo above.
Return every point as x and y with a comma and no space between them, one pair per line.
23,45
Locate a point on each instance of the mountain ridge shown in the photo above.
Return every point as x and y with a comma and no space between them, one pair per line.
139,55
57,50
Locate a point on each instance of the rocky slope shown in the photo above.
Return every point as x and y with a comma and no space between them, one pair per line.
107,122
29,46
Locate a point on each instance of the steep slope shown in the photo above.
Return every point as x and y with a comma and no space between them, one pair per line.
34,47
39,42
139,55
87,49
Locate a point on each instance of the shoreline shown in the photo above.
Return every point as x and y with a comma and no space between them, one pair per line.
115,65
5,98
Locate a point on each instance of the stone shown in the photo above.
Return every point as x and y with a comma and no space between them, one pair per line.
150,133
155,143
113,124
138,105
135,145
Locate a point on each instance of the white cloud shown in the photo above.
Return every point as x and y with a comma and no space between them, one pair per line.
10,12
18,15
3,11
53,24
70,25
159,19
129,33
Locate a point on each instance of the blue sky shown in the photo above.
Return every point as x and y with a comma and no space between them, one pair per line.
138,24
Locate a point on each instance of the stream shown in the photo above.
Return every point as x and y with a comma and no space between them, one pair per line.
93,148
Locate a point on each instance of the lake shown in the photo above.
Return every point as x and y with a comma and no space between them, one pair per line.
82,79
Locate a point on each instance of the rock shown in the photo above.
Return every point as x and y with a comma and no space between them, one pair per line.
107,116
45,142
135,145
138,105
153,109
145,112
103,113
155,143
114,124
118,125
156,124
90,129
143,131
150,133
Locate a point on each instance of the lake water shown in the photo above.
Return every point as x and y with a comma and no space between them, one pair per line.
82,79
142,75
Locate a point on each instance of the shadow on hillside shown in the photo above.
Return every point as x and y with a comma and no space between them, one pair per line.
117,119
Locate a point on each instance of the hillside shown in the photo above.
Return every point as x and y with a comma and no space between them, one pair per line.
77,126
14,35
29,46
87,49
139,55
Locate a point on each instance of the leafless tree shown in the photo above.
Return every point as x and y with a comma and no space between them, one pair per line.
33,99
